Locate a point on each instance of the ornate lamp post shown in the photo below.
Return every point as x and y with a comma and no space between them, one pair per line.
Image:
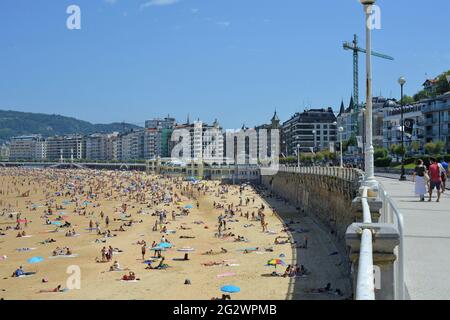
402,82
341,129
369,152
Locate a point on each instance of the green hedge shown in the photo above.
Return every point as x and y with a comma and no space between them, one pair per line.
383,162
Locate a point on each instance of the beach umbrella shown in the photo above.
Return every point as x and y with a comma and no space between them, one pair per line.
35,260
275,262
188,206
230,289
164,245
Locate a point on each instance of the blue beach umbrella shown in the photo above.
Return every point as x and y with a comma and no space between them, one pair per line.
230,289
188,206
35,260
164,245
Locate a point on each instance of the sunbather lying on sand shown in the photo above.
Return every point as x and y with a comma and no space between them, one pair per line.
57,289
211,252
161,265
212,263
130,277
327,289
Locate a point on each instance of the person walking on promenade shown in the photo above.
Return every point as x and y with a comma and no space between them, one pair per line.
435,178
419,178
444,173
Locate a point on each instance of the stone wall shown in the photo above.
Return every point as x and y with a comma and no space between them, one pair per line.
325,198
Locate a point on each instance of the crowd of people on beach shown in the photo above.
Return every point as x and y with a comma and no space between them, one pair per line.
139,198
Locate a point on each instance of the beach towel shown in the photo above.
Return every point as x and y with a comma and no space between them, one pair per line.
226,274
64,256
25,236
129,280
25,249
248,249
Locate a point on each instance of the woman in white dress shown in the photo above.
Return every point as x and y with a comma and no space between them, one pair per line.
420,179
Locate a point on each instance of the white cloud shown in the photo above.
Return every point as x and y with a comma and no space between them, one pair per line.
152,3
194,10
110,1
225,24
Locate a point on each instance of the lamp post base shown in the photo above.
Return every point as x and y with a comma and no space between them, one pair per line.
402,178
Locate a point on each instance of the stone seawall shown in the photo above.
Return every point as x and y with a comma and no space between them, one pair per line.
327,199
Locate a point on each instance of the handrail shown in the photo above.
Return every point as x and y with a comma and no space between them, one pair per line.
389,212
365,285
349,174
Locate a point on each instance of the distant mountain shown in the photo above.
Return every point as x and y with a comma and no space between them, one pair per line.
15,123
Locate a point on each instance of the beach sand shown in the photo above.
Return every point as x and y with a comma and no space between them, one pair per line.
249,270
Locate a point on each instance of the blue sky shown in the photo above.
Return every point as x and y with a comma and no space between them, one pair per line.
235,60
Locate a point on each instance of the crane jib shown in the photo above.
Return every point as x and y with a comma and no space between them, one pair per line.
358,49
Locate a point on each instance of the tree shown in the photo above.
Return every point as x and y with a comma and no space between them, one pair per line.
398,150
429,147
421,95
380,153
306,157
443,85
435,148
319,157
407,100
415,146
440,145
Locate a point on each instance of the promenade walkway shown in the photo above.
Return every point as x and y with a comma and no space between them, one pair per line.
427,240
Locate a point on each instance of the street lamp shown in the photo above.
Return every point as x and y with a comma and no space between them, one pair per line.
341,129
369,163
314,133
298,156
363,110
402,82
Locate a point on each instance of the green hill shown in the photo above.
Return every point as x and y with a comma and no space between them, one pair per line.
14,123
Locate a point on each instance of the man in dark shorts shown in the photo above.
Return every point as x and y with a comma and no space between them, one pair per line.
435,178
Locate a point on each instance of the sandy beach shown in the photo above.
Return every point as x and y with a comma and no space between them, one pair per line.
45,204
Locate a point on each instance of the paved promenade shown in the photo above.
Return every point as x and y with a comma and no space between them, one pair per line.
427,240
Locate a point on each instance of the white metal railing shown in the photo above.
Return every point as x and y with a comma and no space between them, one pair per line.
391,214
365,284
350,174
